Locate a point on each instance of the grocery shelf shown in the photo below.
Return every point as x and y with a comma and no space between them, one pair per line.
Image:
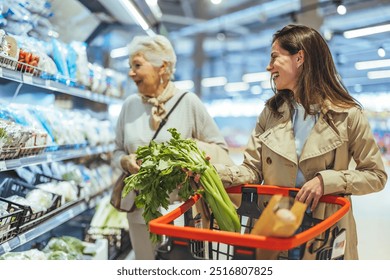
14,76
51,85
57,155
57,217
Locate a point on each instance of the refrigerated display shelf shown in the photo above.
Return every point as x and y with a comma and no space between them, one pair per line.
33,79
57,218
56,155
52,85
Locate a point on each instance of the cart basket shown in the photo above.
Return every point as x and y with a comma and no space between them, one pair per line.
9,223
243,244
28,218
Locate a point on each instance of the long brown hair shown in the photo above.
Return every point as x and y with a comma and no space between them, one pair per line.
319,79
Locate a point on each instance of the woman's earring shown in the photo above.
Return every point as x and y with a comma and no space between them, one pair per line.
161,80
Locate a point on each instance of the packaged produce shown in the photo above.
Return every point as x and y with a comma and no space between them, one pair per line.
27,58
8,51
33,254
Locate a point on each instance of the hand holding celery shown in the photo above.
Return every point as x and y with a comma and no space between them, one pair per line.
168,166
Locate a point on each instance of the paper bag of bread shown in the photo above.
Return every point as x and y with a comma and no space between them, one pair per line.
278,220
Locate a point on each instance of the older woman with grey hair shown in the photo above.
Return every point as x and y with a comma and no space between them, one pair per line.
152,63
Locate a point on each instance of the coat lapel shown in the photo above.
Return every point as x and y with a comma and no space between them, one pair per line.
322,139
280,139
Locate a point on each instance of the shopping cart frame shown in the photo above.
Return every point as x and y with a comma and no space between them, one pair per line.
163,225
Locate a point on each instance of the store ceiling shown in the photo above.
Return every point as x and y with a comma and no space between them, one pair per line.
235,35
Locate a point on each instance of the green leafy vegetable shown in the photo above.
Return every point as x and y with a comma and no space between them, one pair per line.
65,247
172,165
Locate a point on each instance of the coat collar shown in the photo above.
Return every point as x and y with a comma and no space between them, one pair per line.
325,136
328,107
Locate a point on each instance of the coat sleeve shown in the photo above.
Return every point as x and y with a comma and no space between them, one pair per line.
250,171
369,174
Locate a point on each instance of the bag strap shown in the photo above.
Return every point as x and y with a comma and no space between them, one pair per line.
165,119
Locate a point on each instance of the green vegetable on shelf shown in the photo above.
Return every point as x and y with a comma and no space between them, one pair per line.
170,165
3,134
4,138
65,247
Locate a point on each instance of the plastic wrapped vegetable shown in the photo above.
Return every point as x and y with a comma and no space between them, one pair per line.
33,254
39,200
66,247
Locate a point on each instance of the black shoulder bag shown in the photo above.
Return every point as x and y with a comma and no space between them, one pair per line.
116,195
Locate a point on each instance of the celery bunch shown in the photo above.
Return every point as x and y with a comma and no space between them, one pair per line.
170,165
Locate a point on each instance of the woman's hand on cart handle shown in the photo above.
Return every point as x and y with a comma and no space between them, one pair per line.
311,192
130,164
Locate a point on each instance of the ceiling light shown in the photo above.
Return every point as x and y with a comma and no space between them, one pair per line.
381,52
341,9
134,13
119,52
378,74
255,90
150,32
154,8
239,86
370,64
256,77
366,31
184,85
235,108
214,82
221,36
216,2
328,35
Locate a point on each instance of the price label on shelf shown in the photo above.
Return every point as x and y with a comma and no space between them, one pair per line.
28,79
71,213
3,166
1,72
92,203
22,239
6,247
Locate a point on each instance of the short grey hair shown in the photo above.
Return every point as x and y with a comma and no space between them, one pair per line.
155,49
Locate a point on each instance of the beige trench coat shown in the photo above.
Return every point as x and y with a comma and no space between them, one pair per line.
339,136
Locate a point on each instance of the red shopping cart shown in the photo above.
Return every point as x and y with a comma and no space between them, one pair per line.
187,241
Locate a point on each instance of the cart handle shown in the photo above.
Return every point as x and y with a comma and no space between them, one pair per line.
163,226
